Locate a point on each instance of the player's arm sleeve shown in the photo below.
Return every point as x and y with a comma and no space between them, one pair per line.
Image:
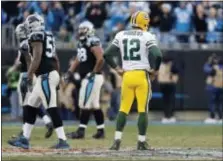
111,51
155,51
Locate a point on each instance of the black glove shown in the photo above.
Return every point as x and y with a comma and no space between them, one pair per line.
67,77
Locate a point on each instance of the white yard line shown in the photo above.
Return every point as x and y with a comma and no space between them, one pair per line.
168,153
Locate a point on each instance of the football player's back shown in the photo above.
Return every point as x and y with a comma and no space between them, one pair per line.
134,46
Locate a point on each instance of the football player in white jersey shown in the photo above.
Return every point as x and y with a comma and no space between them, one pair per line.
134,45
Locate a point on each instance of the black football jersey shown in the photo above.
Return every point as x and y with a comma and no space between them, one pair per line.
48,61
23,49
85,56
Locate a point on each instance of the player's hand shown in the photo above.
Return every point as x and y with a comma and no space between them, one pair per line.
29,84
90,76
23,86
119,71
152,74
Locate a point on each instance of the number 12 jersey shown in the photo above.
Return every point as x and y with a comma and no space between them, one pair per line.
134,45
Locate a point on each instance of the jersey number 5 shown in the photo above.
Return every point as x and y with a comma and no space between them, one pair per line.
131,49
50,48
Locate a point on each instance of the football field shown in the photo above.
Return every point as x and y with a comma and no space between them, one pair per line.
171,142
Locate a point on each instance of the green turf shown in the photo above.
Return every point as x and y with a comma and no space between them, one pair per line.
158,136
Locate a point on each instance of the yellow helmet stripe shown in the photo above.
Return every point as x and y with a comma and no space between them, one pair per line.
134,17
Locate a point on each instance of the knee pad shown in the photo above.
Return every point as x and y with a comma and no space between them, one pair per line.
55,116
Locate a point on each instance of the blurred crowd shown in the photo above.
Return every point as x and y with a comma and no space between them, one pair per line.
167,79
177,19
194,21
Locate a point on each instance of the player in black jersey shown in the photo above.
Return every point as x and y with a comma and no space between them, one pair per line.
24,60
89,60
45,66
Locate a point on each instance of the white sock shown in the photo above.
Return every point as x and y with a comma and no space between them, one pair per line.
83,126
142,138
27,129
118,135
46,119
102,126
60,133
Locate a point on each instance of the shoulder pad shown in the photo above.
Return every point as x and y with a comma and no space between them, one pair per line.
93,41
24,46
150,39
36,36
116,38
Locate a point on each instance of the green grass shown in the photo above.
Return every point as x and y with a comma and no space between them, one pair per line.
158,136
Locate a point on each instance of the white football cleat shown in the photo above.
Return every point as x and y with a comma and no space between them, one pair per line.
210,121
165,121
172,119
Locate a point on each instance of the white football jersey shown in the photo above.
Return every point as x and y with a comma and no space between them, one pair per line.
134,45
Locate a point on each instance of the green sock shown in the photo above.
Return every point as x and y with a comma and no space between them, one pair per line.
121,120
142,123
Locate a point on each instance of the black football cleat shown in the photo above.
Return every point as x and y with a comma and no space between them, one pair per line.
143,146
116,145
100,134
62,144
49,132
79,134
